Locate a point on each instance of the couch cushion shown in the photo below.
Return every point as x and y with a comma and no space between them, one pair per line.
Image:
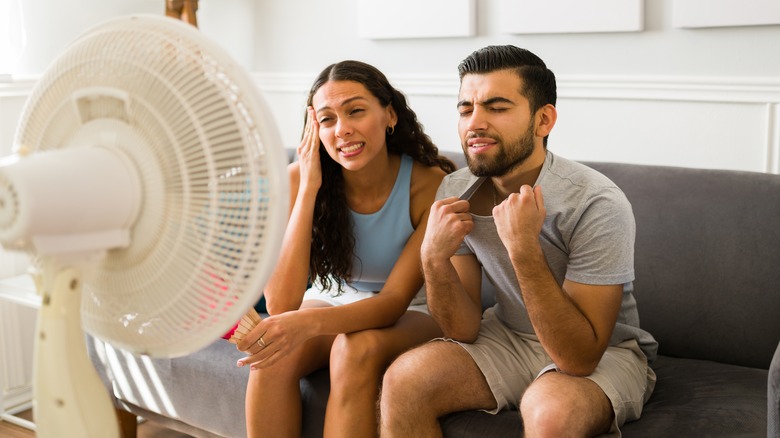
692,398
701,398
773,396
706,260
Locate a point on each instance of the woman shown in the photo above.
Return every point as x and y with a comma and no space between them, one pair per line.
361,189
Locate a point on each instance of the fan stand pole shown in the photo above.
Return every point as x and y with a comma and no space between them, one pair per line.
70,399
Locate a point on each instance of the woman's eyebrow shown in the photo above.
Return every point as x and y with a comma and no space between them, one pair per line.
342,103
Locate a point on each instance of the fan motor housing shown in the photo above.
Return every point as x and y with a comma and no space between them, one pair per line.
70,200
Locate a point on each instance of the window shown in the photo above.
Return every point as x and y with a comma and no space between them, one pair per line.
12,36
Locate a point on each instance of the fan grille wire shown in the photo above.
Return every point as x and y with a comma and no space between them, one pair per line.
210,171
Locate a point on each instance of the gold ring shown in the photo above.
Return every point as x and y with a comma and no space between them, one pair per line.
261,342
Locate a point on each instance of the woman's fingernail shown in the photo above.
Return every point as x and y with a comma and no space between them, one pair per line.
240,363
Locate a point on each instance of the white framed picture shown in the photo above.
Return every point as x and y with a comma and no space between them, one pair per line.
416,19
720,13
571,16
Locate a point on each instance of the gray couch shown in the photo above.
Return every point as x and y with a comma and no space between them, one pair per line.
707,286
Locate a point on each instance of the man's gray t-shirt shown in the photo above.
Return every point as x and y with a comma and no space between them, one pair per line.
587,237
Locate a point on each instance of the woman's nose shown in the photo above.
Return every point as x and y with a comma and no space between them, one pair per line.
343,128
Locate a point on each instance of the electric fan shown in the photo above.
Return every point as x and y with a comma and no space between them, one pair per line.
149,186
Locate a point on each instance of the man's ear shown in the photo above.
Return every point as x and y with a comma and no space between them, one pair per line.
545,120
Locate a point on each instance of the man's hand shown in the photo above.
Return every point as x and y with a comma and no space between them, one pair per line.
453,292
448,223
519,219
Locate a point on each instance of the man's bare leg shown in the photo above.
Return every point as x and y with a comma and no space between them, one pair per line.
426,383
559,405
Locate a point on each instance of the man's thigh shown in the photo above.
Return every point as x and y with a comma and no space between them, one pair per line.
615,391
626,379
445,375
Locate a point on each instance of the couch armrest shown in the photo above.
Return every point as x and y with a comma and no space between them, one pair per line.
773,396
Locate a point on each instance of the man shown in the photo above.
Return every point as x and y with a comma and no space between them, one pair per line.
556,239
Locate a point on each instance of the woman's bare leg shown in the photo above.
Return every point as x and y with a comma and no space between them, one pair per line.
273,395
357,363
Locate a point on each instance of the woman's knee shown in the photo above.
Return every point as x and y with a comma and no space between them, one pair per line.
356,361
298,363
356,351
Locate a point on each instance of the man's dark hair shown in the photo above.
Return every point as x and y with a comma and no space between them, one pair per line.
538,81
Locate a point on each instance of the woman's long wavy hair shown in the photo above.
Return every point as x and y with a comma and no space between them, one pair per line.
333,242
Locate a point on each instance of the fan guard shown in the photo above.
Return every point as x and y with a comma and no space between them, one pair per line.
213,183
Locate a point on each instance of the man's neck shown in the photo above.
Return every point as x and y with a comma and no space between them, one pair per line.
525,174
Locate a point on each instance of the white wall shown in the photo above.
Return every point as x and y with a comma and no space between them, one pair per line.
50,25
705,97
304,35
665,95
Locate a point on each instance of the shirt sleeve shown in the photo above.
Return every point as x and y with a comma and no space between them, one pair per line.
602,246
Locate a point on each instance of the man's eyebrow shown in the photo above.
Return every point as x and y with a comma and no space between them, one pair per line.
490,101
464,103
497,99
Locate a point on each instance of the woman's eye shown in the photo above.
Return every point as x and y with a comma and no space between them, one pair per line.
356,110
324,119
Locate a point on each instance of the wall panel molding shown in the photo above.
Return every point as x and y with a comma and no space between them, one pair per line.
17,87
673,88
571,16
664,88
683,89
708,112
773,138
420,18
709,122
724,13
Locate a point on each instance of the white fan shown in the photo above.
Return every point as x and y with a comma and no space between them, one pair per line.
149,184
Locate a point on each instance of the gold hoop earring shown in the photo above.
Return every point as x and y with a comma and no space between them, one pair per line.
390,130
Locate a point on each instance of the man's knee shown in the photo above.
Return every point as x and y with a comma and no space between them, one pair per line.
401,375
542,410
560,405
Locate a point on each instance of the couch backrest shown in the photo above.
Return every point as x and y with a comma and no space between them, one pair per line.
707,260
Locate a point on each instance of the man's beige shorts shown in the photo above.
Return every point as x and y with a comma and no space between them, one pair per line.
511,361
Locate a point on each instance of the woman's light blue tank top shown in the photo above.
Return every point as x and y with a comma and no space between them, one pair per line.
380,237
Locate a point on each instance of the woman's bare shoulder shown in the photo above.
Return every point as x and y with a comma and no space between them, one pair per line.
427,175
425,183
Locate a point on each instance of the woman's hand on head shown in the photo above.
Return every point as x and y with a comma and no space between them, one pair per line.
309,153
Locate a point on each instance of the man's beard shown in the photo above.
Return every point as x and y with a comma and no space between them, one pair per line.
508,157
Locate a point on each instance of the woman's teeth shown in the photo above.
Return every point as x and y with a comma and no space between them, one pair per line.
352,148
